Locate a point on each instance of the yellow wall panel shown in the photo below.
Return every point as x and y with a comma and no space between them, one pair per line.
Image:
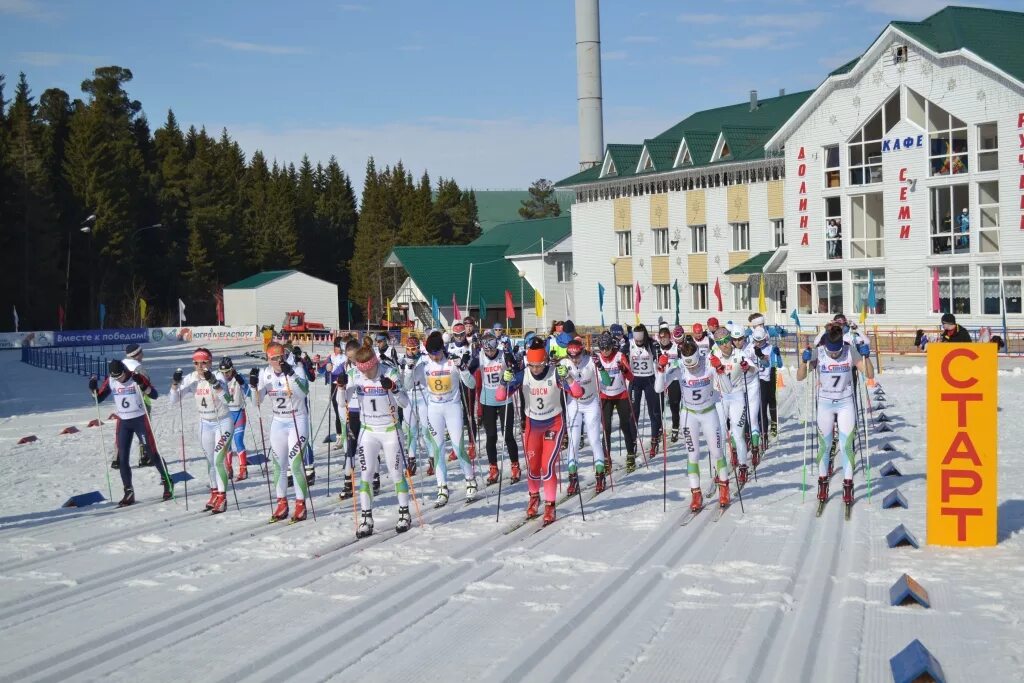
738,200
697,268
623,216
659,270
742,278
624,271
696,213
659,211
775,209
738,257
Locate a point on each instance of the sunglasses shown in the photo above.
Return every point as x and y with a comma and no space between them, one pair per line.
275,359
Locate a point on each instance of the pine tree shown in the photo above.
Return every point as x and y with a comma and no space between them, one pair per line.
257,230
542,202
418,222
375,236
283,240
172,199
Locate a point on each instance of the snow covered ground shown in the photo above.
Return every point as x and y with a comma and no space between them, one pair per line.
769,594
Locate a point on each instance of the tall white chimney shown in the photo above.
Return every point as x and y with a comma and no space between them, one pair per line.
588,83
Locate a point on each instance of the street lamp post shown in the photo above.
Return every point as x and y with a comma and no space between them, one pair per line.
615,289
87,227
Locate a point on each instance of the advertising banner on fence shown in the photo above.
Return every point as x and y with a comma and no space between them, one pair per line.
962,444
165,335
16,340
113,337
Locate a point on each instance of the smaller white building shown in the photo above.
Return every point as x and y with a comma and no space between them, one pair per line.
265,298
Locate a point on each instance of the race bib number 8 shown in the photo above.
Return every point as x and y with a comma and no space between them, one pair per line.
440,384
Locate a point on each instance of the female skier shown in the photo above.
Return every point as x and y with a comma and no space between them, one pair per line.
584,412
492,364
238,390
613,371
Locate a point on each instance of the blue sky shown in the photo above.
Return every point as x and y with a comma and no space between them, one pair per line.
482,90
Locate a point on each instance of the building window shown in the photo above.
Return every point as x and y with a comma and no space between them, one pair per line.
1004,287
626,297
625,243
699,295
820,291
564,269
950,220
833,228
698,239
663,297
741,296
947,142
988,147
740,236
861,280
865,148
867,226
954,289
832,176
661,241
988,213
778,233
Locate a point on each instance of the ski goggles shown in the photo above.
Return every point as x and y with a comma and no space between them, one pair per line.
276,358
724,341
490,344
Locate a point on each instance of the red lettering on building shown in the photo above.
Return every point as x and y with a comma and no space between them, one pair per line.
903,193
904,214
803,222
804,241
803,187
801,170
802,154
803,204
904,232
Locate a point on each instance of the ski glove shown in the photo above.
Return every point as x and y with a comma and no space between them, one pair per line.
507,376
93,384
254,378
806,355
209,376
387,384
716,363
287,369
864,350
663,361
561,371
744,365
177,376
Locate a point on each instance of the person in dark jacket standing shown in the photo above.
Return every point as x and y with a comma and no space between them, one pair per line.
951,332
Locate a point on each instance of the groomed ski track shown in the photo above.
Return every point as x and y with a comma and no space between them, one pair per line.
769,594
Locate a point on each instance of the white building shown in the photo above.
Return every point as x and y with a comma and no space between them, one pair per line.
264,298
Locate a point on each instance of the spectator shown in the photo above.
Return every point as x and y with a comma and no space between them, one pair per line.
1000,344
951,332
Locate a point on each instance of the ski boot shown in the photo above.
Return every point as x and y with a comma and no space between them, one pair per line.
211,500
755,449
145,461
734,461
574,484
243,469
430,467
741,474
366,526
723,493
848,491
674,436
451,455
599,483
346,489
549,513
411,466
227,465
492,475
534,507
630,463
774,430
300,511
168,491
129,498
220,504
471,490
281,511
442,496
115,464
310,472
696,499
822,489
517,473
404,522
376,483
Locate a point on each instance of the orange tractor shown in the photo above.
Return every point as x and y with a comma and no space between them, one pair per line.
295,323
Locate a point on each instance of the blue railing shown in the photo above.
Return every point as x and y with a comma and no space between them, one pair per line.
65,360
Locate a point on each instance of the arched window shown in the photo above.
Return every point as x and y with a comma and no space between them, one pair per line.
865,147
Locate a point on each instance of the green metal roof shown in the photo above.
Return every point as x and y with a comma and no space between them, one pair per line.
495,207
585,176
846,68
523,237
259,279
754,264
993,35
440,271
662,153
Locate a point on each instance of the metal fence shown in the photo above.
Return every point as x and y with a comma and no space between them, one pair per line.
65,360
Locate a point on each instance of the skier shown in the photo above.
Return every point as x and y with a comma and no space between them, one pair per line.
445,378
751,378
128,388
385,351
613,371
642,355
702,338
238,391
668,352
215,425
700,398
414,385
543,382
834,359
340,376
769,359
461,350
504,343
286,387
376,385
332,370
491,364
133,363
731,365
584,412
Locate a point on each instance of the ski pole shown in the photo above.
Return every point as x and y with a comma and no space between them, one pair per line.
636,427
298,435
664,469
501,475
163,463
184,467
806,410
266,455
103,451
867,435
405,462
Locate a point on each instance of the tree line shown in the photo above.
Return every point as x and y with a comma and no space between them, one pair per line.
178,214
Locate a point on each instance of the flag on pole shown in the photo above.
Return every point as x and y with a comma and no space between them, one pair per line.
568,305
935,290
762,306
60,316
181,312
219,298
637,298
369,310
103,314
435,310
1006,332
675,287
388,310
456,313
15,308
718,294
142,312
538,303
483,309
510,309
796,318
348,311
600,301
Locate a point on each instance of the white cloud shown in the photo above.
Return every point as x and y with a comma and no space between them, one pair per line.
702,18
58,58
243,46
614,55
640,39
754,41
698,60
799,20
29,9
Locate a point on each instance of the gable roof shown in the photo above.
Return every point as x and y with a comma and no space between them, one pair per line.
440,271
259,279
524,237
754,264
625,158
495,207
